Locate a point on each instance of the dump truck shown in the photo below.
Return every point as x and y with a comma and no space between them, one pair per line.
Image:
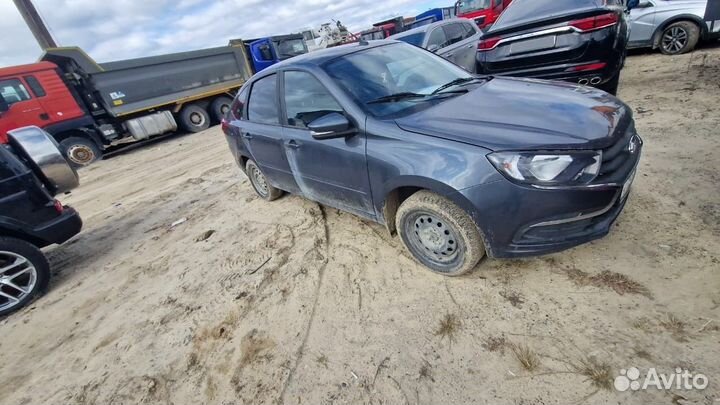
89,106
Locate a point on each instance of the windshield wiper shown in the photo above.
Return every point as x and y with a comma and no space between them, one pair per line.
456,82
391,98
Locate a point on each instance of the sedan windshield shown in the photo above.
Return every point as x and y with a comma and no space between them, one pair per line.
468,6
392,79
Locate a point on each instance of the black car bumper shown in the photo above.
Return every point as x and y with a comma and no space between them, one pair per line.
519,221
60,229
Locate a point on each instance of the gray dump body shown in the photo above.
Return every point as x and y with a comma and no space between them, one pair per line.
134,85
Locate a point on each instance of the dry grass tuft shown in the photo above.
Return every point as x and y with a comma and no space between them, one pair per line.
513,297
526,356
599,373
425,372
449,327
495,344
253,345
617,282
322,360
675,326
643,354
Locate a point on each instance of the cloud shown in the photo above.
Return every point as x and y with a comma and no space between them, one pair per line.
120,29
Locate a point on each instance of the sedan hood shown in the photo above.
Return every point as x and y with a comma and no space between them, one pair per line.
523,114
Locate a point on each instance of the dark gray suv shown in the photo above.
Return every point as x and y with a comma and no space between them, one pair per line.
458,165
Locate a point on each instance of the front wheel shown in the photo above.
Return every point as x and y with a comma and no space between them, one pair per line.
24,273
439,234
80,151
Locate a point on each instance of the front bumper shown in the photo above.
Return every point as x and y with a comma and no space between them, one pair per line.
519,221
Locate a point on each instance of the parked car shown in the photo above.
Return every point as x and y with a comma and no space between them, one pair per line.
459,166
454,39
581,41
32,171
673,26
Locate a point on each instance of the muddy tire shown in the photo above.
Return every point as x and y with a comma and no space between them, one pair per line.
678,38
80,151
439,234
24,274
219,107
260,184
194,118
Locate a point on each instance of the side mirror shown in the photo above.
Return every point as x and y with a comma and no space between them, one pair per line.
631,4
329,126
265,52
4,106
433,48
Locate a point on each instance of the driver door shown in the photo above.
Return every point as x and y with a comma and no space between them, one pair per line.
329,171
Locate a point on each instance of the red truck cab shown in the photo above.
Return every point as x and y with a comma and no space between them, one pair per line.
483,12
36,95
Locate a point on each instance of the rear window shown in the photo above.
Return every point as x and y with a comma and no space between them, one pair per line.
413,39
263,106
526,11
35,86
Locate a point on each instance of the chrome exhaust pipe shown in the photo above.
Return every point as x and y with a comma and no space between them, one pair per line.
595,80
583,81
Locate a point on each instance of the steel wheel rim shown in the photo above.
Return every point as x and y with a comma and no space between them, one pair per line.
224,108
197,119
259,181
18,277
674,39
81,154
433,237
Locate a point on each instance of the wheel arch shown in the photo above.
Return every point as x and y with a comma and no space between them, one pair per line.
674,19
81,133
403,187
9,232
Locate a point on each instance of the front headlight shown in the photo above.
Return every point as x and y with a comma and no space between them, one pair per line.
548,168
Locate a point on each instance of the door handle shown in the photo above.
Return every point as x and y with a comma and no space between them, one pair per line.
292,144
469,46
44,117
246,135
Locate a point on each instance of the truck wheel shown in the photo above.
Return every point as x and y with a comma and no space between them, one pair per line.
679,37
24,273
219,107
80,151
194,118
439,234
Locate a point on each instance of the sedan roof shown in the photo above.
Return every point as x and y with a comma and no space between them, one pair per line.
317,58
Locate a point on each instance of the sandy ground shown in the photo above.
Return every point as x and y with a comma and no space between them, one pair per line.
290,302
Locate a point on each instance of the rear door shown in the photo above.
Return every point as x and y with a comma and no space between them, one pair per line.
24,108
454,34
642,23
262,133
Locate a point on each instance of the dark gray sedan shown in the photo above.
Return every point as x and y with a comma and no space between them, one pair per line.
455,40
460,166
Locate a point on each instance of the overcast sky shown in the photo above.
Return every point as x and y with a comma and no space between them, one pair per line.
119,29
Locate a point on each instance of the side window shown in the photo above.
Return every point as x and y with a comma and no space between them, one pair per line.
437,37
454,32
237,108
306,99
35,86
13,91
469,30
262,106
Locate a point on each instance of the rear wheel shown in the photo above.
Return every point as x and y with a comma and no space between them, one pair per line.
194,118
439,234
219,107
24,273
80,151
679,37
260,184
